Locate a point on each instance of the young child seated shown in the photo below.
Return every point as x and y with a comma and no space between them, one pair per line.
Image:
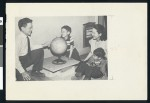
71,50
95,67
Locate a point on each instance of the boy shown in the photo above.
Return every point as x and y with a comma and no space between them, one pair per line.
95,67
71,50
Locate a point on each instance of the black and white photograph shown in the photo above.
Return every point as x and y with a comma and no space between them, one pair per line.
61,48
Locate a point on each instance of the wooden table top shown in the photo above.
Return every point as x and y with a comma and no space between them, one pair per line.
49,66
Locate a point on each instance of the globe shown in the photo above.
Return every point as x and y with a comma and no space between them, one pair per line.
58,47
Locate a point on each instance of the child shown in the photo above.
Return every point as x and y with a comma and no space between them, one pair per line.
95,67
71,50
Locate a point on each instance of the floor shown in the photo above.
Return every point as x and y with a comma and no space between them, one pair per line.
64,74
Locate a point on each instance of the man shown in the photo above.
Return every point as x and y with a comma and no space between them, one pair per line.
28,54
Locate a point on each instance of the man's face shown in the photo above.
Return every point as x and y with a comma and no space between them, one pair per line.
64,32
95,34
28,29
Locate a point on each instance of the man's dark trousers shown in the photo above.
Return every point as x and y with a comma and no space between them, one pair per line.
35,58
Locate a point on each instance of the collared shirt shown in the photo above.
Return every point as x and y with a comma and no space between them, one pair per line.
101,63
70,42
21,46
91,61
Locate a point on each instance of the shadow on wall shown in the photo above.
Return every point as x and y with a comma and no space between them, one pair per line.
47,28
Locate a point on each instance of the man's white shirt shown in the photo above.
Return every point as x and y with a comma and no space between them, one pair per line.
21,46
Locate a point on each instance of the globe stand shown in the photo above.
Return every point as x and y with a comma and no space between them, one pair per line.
59,61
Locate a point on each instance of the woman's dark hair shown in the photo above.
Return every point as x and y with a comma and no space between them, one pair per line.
100,29
99,52
68,28
23,22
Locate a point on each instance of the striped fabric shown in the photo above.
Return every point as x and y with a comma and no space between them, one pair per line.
70,42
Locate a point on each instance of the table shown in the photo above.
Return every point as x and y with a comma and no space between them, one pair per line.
49,66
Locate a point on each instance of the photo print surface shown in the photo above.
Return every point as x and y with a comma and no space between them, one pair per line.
61,48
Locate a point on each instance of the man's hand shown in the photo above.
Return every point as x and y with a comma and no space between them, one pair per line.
46,44
26,76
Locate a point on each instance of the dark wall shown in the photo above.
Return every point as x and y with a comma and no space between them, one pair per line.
1,56
1,34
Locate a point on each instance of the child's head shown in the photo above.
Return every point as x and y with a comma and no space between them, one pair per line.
99,53
65,31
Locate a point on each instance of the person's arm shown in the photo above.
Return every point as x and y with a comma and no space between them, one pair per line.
90,61
90,53
103,67
71,50
88,56
44,45
71,46
18,65
17,61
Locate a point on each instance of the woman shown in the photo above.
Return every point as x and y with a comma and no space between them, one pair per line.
98,41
